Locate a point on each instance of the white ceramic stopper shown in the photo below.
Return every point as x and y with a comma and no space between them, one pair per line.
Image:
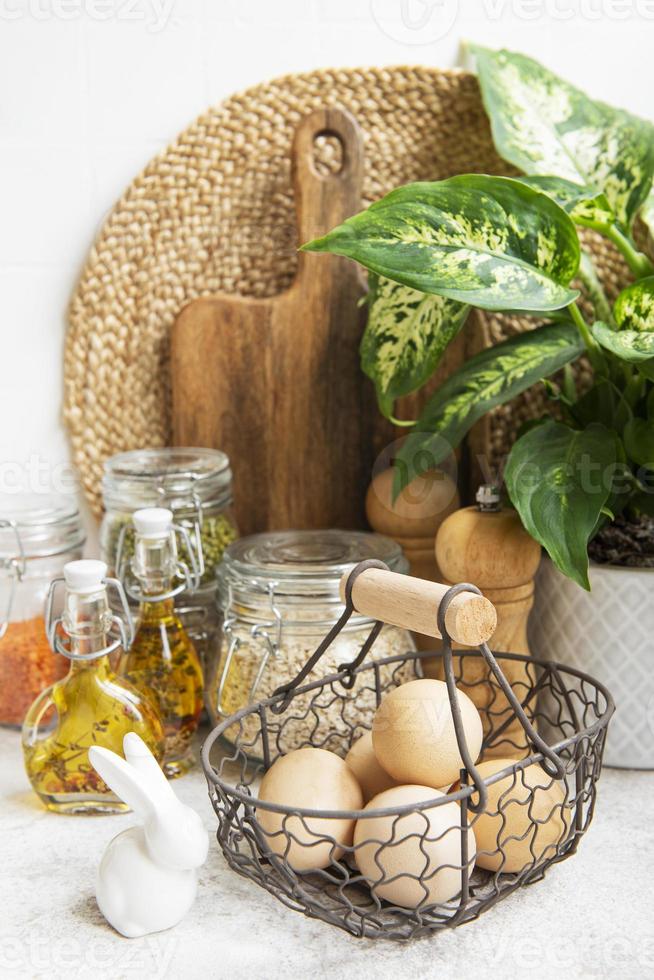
85,576
153,522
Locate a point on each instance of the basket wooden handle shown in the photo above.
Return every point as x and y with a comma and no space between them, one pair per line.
412,603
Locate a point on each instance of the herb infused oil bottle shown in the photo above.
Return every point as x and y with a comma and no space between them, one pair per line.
162,662
91,705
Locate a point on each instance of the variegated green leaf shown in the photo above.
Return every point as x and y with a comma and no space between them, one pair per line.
634,346
634,307
490,378
543,125
406,335
629,345
490,242
559,479
585,207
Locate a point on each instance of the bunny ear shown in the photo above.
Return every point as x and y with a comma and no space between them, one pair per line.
141,759
125,781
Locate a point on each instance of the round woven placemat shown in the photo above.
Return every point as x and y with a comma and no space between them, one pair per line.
215,212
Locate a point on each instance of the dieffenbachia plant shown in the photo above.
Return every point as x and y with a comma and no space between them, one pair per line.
436,249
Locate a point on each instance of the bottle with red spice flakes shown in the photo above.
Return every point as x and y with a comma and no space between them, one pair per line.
91,705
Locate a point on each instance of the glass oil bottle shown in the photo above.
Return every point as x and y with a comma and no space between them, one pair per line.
162,663
91,705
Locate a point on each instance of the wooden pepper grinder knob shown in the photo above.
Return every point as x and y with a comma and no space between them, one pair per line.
414,518
488,546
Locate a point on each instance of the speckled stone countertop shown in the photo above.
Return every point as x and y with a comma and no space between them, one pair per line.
591,917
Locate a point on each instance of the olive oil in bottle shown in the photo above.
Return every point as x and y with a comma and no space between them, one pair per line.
90,706
162,662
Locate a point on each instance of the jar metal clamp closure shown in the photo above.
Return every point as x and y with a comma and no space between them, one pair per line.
122,629
15,566
190,576
261,634
196,554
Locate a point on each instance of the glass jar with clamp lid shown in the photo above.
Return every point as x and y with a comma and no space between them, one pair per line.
279,595
39,534
196,485
91,705
162,662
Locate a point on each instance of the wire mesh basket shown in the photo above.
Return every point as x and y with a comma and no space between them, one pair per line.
439,859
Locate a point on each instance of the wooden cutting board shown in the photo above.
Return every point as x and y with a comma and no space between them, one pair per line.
276,382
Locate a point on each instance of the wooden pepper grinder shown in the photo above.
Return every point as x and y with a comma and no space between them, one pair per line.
415,517
488,546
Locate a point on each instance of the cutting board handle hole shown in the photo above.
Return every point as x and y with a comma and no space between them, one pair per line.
328,158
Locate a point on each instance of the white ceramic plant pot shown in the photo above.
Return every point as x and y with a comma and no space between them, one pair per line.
609,634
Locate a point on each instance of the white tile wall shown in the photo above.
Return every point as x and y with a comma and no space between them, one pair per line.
43,91
91,89
33,447
45,196
140,85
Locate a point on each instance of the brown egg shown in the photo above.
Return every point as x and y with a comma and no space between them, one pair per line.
413,859
372,777
413,733
526,816
309,779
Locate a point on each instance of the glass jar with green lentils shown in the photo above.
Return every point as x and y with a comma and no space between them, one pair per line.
196,485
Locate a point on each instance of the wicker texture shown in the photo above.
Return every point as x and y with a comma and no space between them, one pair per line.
215,212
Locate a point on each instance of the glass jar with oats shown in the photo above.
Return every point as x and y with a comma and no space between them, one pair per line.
278,594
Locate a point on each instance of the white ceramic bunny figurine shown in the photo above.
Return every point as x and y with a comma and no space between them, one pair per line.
147,879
